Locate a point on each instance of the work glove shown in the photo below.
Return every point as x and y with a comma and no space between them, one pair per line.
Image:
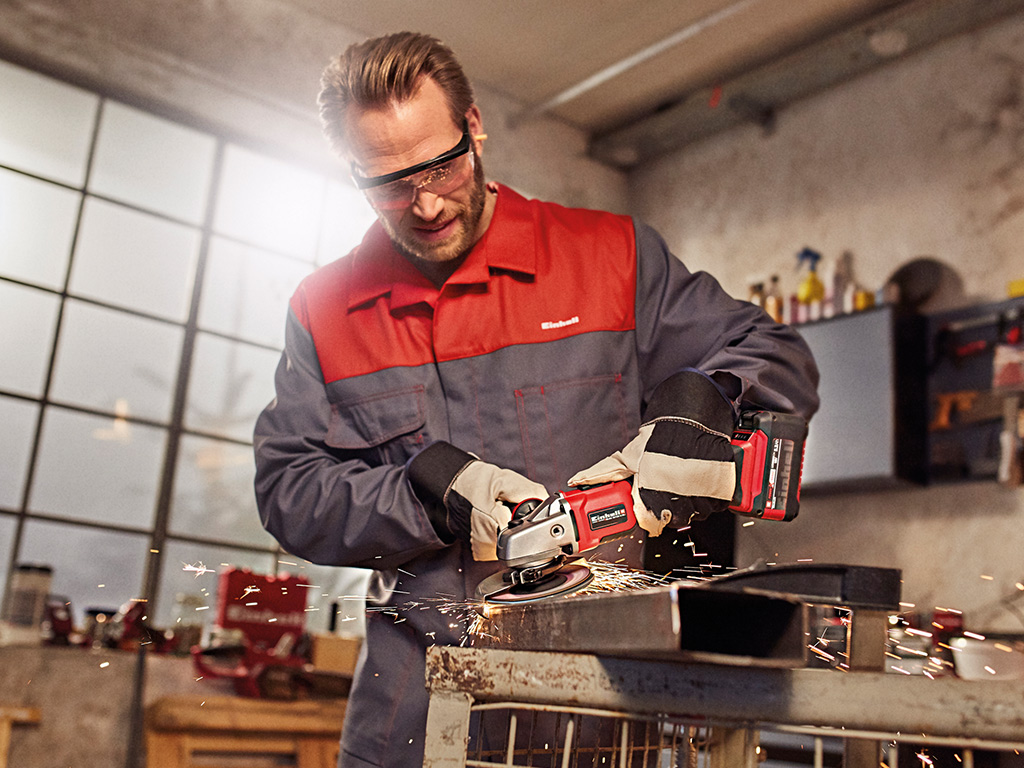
466,498
681,461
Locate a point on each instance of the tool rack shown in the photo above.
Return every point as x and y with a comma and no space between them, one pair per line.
661,684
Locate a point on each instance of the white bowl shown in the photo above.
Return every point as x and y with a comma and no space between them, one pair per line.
988,659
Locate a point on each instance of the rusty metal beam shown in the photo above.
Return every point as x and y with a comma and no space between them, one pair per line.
866,701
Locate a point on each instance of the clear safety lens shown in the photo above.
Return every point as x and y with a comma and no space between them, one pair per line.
441,180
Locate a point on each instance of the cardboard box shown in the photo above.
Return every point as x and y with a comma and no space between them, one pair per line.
336,653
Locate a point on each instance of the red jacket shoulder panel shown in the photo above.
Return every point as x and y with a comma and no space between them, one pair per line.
553,272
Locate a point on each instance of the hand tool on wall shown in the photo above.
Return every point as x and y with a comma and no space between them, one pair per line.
968,406
768,450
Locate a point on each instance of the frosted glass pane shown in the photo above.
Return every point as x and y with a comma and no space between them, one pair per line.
28,317
19,420
246,292
347,216
213,493
92,468
230,384
37,225
152,163
175,580
116,362
45,125
269,203
91,568
135,260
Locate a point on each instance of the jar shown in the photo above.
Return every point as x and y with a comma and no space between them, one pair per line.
25,607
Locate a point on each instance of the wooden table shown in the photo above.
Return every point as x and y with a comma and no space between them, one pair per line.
8,717
187,731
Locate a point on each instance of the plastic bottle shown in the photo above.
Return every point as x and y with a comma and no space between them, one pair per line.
26,605
773,303
843,287
757,295
811,291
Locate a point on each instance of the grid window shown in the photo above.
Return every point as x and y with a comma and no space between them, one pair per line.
116,363
37,224
95,568
98,469
269,203
158,165
19,420
177,583
247,292
26,354
231,383
347,216
213,493
45,126
114,223
135,260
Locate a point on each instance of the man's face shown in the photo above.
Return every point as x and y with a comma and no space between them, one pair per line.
397,136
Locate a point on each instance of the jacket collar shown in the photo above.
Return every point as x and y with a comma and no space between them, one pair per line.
508,245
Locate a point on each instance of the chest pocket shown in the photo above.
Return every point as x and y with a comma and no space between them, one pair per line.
385,428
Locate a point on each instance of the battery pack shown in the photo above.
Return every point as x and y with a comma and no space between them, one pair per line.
768,449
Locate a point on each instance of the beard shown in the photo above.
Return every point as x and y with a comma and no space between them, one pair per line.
458,245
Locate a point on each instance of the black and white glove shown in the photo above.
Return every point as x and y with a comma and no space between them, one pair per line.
681,460
466,498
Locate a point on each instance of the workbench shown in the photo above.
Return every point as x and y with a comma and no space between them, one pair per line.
873,706
665,668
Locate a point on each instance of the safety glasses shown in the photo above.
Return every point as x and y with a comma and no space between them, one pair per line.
441,175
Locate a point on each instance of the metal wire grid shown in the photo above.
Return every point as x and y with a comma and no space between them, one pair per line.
551,736
520,735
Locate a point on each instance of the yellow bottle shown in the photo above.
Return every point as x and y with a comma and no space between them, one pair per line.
811,291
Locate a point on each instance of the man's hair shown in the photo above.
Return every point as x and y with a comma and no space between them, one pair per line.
385,69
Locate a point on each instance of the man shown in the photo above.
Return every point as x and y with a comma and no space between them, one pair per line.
479,348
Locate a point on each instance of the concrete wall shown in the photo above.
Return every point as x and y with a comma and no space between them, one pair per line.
251,69
924,157
85,698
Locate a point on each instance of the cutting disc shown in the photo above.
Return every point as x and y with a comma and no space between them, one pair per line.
569,578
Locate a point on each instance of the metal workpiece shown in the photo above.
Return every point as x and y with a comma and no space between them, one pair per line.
683,620
875,702
753,616
842,586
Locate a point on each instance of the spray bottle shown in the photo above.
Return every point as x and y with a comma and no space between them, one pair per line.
811,291
773,300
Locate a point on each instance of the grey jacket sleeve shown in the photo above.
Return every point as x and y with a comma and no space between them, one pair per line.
685,319
321,503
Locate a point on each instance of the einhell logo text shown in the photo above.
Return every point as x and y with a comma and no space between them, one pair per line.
242,613
549,326
602,518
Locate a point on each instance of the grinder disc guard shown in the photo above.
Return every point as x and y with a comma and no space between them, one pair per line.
569,578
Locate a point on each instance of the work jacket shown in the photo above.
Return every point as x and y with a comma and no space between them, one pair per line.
538,354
